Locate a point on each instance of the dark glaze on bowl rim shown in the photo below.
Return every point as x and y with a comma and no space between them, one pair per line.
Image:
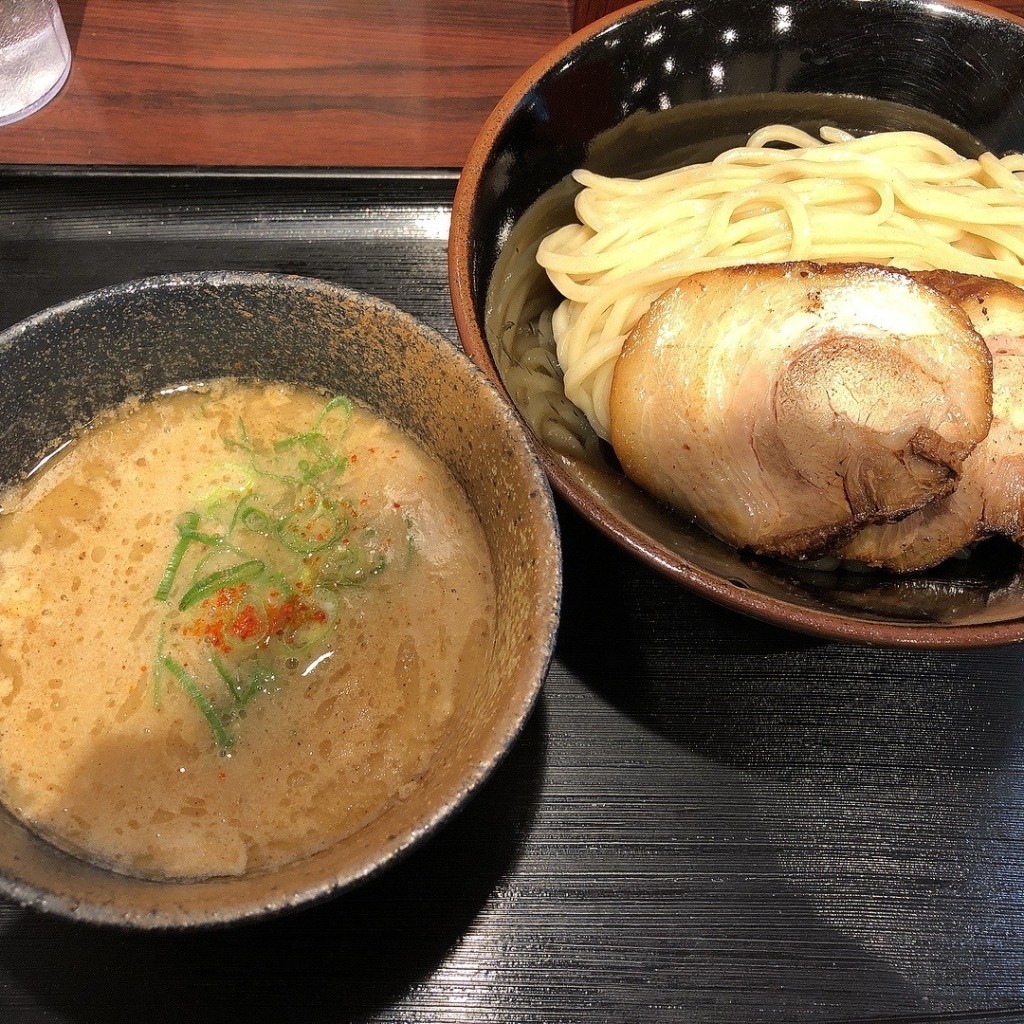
817,622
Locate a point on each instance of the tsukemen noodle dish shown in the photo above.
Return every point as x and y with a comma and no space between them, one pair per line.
234,619
811,344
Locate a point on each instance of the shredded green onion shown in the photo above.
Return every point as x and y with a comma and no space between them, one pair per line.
211,540
254,518
280,533
305,533
163,591
221,580
261,678
339,402
226,676
242,441
158,666
191,687
307,440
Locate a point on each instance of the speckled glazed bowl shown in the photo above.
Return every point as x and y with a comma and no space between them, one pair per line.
63,366
667,82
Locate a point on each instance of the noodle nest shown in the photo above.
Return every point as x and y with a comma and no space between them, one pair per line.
901,199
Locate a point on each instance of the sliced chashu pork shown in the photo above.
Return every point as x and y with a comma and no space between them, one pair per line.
782,405
989,499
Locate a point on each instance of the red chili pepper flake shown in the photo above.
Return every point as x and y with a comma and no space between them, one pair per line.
282,616
211,632
396,504
226,620
292,615
223,598
247,624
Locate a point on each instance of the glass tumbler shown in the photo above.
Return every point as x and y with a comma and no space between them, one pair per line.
35,56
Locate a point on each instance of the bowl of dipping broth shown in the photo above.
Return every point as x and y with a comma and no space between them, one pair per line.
751,273
279,584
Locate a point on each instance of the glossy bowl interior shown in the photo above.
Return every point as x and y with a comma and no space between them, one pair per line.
63,366
668,82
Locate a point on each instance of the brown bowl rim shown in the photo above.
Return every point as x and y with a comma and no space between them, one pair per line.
823,624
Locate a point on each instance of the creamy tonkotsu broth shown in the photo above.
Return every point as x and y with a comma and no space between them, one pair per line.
233,624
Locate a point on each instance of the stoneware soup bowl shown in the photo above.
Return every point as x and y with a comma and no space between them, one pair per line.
62,367
668,82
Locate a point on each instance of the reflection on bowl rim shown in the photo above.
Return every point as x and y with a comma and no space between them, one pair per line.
821,623
545,617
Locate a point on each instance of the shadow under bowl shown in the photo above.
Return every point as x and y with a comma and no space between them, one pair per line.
668,82
61,368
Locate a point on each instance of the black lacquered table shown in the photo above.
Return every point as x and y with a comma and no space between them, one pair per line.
706,819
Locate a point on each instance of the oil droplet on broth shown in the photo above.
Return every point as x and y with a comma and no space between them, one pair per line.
343,731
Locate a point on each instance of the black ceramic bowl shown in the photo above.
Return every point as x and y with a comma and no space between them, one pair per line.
65,365
673,81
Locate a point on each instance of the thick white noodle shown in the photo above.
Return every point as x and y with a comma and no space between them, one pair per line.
900,199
